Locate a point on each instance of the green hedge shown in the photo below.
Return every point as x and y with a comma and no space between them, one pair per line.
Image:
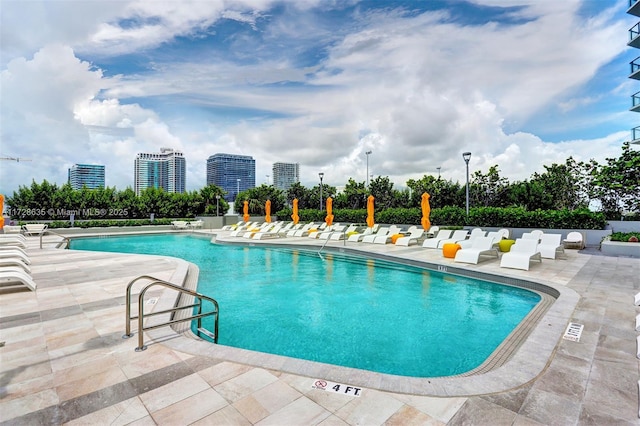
456,217
624,236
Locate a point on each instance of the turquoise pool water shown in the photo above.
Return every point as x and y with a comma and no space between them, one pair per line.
341,310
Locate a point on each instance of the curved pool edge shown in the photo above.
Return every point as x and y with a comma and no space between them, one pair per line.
528,361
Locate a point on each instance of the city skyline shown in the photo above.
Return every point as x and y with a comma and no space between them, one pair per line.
519,84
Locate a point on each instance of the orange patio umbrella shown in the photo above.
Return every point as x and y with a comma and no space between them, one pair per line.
370,211
245,210
295,216
267,211
329,218
426,210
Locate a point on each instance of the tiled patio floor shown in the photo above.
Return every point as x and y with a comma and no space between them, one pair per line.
63,360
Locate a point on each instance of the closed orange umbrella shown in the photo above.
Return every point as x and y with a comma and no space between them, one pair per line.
1,210
245,210
370,211
329,218
426,210
295,216
267,211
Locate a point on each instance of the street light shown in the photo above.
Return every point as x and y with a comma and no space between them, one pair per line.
321,176
267,179
467,156
367,154
217,205
438,172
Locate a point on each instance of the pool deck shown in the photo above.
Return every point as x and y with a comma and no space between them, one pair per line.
63,359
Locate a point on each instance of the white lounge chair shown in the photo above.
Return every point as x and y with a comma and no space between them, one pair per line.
273,232
341,235
34,228
433,230
550,246
382,231
433,242
15,262
574,240
323,227
533,235
10,278
326,234
180,224
369,230
457,237
301,232
13,241
413,237
384,239
195,224
521,254
16,253
482,246
475,233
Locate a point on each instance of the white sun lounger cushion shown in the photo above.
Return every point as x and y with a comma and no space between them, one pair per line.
638,322
637,299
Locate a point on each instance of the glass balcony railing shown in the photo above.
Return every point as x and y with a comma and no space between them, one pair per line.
635,134
635,65
634,32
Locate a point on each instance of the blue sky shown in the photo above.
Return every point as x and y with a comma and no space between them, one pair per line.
519,83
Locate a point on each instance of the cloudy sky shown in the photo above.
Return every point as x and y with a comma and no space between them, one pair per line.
519,83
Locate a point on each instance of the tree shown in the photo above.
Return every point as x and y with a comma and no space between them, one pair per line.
488,190
258,197
442,192
212,205
617,184
353,197
382,189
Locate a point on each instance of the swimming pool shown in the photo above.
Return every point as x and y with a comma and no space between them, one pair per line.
359,313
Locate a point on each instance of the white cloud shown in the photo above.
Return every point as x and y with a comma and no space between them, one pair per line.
417,91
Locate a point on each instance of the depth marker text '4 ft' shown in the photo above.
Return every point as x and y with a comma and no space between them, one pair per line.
336,387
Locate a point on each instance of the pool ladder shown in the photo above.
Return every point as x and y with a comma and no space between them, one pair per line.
344,239
198,299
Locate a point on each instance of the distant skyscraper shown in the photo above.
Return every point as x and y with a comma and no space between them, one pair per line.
232,173
89,175
285,175
166,170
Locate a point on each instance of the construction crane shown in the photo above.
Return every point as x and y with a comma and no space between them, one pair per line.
16,159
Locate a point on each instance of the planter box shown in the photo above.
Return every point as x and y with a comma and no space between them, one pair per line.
616,248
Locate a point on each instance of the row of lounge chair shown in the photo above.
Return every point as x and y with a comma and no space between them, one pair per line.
183,224
15,271
475,245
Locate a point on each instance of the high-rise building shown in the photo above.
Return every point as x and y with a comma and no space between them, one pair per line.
233,173
285,175
634,41
166,170
89,175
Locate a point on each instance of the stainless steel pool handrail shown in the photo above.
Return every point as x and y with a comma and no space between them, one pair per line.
141,314
65,240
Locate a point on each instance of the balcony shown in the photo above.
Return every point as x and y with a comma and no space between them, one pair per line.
634,8
635,135
635,102
634,33
635,69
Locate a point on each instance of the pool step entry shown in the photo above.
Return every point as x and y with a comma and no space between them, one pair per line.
195,300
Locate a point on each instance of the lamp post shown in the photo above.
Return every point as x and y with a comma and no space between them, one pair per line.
217,205
267,180
438,172
467,156
367,154
321,176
